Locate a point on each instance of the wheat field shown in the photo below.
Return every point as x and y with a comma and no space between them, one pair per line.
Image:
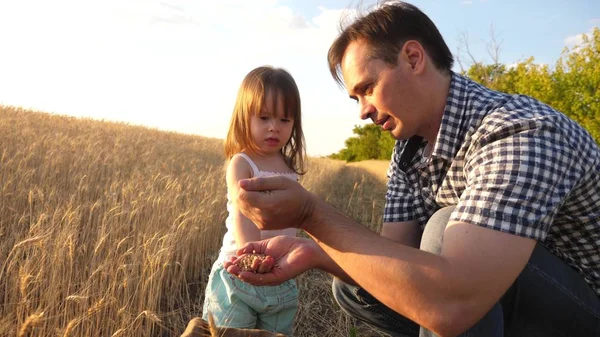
108,229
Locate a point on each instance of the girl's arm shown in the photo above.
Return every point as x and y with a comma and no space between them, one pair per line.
244,230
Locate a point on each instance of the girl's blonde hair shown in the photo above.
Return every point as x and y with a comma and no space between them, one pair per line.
250,101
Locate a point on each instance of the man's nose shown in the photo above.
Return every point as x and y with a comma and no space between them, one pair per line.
365,109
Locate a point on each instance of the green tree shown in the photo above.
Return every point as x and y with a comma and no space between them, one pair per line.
577,79
572,86
370,142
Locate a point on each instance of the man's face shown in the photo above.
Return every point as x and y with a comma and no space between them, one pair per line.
384,93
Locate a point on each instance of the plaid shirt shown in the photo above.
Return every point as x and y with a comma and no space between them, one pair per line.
509,163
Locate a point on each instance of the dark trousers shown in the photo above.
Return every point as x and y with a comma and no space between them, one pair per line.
548,299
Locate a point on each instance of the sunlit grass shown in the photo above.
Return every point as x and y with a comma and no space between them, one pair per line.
108,229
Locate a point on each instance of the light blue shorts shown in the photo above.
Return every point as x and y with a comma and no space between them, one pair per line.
234,303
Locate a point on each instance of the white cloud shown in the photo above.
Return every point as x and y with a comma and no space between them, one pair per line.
512,65
573,40
466,2
577,40
175,65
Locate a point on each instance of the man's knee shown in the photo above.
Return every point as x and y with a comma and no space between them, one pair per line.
433,235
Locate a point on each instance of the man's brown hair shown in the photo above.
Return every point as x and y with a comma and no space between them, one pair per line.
385,30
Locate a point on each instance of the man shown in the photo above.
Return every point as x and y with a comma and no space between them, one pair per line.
500,193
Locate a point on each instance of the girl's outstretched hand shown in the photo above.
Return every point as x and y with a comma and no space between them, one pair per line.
286,258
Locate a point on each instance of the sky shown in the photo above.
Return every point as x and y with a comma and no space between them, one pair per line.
177,65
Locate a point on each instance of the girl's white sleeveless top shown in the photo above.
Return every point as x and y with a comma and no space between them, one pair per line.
229,247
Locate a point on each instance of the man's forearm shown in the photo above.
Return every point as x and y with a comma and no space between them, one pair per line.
327,264
406,232
417,284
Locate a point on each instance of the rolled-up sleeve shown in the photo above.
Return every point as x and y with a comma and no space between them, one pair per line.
517,180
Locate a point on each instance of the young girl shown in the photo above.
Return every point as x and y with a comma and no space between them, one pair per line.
265,138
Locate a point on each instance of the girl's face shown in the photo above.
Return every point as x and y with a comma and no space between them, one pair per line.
271,130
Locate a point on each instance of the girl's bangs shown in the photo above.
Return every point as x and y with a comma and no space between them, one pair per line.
290,101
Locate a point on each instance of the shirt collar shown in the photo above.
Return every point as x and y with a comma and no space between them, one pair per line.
451,133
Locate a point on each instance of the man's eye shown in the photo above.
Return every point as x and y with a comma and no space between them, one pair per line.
369,89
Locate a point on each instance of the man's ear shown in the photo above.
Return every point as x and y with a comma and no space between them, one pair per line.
413,54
